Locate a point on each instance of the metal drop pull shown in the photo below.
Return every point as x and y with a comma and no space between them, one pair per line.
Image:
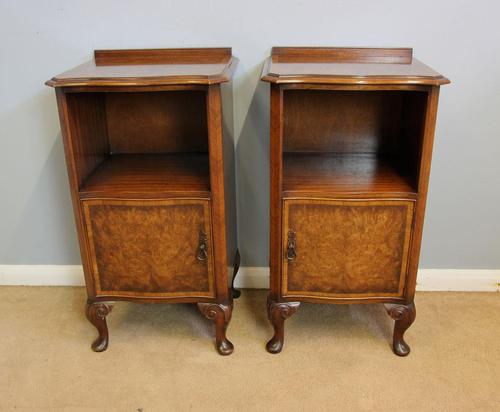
202,254
291,253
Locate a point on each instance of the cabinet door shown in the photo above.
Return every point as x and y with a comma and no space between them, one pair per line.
150,248
345,249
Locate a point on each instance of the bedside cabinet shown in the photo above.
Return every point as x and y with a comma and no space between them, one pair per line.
351,143
150,157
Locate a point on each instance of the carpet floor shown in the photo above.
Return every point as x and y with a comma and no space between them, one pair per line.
162,357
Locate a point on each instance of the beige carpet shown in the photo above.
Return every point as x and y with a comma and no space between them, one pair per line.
161,357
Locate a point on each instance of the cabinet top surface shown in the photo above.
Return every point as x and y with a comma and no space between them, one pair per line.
343,65
150,67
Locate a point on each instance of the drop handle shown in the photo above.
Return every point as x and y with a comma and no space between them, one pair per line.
202,254
291,252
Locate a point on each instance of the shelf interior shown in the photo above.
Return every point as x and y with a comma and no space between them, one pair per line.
143,144
151,174
339,142
331,173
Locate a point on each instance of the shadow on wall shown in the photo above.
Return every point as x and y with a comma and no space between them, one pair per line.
252,159
45,226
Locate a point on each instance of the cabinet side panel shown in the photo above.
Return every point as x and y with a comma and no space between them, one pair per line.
229,171
423,183
71,147
276,174
214,120
87,119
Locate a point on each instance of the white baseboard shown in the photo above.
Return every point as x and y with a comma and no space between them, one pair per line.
459,280
466,280
42,275
249,277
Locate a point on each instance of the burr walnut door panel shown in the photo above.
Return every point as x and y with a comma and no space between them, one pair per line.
150,248
345,249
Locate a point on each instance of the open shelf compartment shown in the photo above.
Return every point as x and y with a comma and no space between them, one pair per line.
346,142
141,144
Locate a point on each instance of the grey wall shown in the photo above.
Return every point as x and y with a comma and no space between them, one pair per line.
458,38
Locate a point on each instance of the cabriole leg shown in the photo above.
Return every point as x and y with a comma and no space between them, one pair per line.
277,312
96,314
221,315
404,315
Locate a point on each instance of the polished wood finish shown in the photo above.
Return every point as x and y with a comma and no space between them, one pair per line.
337,175
150,68
157,122
86,117
229,173
150,248
348,66
276,184
96,313
345,249
148,144
351,143
215,139
162,56
221,315
346,121
277,313
342,55
144,175
404,315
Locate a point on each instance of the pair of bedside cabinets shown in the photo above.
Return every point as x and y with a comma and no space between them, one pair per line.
148,138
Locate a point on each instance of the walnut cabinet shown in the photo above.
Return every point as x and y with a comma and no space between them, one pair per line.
150,156
351,140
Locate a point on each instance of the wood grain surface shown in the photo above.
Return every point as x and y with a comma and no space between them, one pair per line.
348,66
152,175
342,54
341,121
157,122
149,248
334,174
89,143
350,150
346,248
147,150
145,67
